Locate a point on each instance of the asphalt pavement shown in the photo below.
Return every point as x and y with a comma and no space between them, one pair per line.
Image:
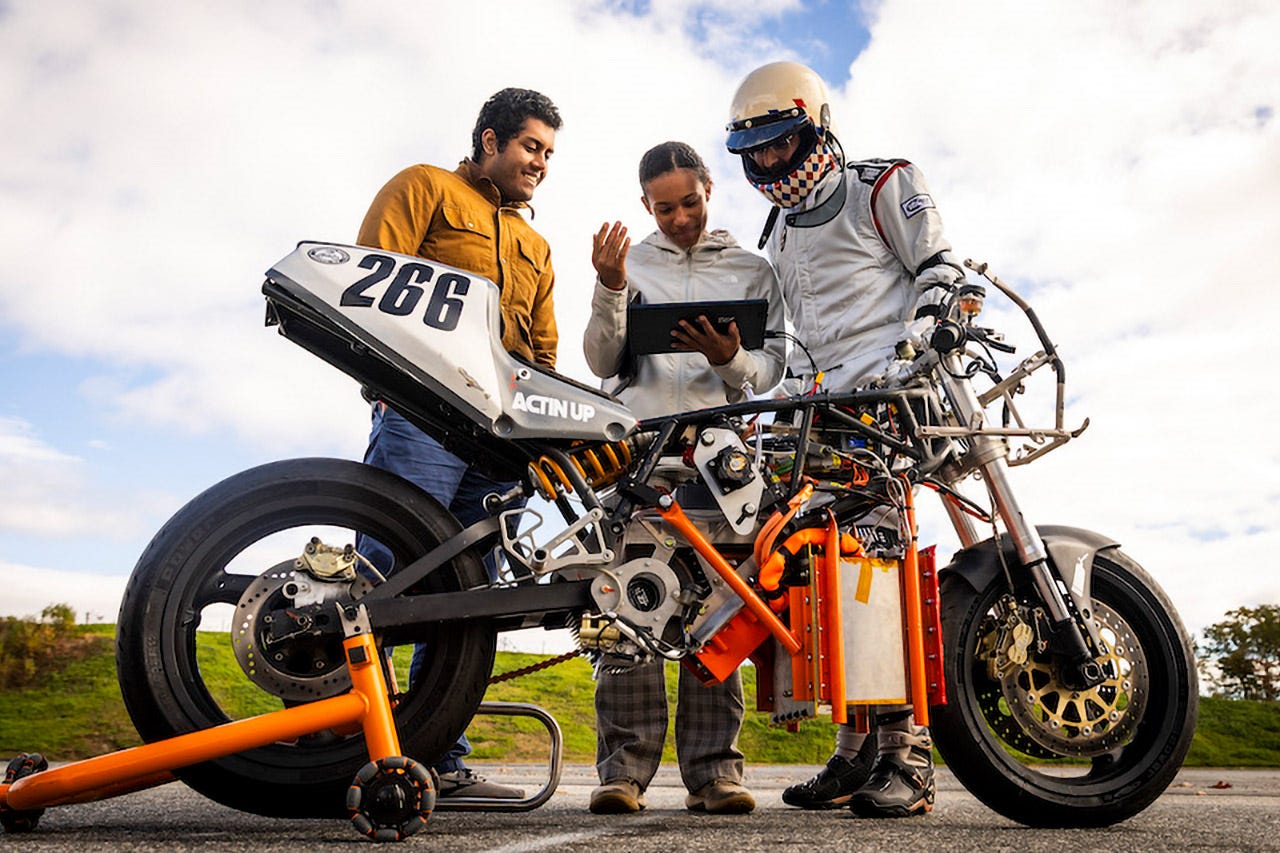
1204,809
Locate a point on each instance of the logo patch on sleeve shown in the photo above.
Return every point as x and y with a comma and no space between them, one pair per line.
869,174
915,204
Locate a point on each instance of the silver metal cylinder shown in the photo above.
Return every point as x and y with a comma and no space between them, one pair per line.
1026,540
963,524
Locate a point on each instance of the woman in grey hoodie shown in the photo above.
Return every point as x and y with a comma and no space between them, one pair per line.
680,262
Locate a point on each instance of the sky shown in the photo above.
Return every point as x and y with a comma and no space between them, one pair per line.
1119,164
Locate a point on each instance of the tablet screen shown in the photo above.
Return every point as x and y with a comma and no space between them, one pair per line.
649,325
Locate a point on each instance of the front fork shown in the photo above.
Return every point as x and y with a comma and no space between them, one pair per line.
987,455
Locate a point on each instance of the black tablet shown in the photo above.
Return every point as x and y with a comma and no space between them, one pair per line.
649,325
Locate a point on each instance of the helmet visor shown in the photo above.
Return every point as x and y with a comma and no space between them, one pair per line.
750,134
762,168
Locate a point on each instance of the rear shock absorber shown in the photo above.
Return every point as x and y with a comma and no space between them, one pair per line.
598,464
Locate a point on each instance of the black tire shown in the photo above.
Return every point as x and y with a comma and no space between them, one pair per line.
183,574
1031,779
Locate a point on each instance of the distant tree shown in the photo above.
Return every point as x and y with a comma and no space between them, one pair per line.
1244,648
28,647
59,615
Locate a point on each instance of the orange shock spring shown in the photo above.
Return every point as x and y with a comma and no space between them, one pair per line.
598,464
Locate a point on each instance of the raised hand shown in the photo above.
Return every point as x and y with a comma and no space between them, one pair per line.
609,255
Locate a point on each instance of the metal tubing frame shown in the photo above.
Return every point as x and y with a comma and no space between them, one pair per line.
834,633
913,614
675,516
989,454
804,679
555,757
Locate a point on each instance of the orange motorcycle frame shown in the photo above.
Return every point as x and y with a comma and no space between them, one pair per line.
814,636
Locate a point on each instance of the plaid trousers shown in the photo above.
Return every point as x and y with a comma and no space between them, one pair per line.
631,726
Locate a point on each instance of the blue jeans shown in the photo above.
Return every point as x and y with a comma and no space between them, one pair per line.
401,448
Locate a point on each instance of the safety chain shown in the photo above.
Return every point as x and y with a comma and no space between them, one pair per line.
527,670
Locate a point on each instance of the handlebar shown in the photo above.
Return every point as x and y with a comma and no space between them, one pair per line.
946,346
1058,368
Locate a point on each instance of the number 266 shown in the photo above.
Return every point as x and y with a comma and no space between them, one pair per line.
405,292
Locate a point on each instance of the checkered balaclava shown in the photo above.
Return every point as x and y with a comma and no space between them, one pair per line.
791,189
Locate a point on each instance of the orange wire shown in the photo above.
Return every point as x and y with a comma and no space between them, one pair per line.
768,533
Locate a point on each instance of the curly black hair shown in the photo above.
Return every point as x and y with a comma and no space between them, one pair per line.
505,112
669,156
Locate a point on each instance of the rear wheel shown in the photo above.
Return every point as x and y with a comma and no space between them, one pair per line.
1040,753
188,656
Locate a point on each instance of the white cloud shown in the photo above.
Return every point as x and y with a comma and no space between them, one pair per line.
30,589
46,491
1119,162
163,169
1122,164
18,446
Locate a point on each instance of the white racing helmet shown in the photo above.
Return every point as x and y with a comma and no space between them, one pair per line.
772,103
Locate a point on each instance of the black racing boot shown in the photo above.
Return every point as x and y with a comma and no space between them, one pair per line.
901,783
895,790
835,783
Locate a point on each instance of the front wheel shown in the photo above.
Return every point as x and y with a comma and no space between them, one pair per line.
194,648
1042,754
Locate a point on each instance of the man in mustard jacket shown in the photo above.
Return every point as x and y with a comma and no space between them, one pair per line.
471,218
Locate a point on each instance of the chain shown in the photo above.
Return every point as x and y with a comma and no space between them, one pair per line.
528,670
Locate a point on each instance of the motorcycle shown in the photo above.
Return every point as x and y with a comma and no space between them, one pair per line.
1058,679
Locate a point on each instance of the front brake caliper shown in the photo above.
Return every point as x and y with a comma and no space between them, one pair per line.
1006,647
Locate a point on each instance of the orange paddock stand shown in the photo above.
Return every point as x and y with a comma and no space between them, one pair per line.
149,765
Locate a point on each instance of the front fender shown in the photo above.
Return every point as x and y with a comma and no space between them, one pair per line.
1071,552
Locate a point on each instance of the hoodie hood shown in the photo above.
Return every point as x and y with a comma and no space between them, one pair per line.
714,241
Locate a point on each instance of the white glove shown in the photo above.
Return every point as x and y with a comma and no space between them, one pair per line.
920,331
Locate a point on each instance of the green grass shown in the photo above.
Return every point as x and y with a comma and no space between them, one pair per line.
76,711
71,712
1236,733
566,691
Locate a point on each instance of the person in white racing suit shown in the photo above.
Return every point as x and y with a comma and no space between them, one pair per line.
863,264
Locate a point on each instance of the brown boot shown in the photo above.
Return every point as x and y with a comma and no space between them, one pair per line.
617,796
721,797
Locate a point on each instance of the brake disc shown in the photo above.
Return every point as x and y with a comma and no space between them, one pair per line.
1082,723
298,660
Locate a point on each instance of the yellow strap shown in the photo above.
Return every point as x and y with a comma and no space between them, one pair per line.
863,592
868,567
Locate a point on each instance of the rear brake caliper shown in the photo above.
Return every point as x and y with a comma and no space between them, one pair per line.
326,563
